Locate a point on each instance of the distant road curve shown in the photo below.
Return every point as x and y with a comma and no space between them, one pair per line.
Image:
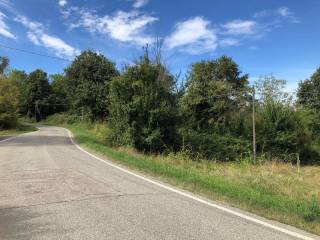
50,188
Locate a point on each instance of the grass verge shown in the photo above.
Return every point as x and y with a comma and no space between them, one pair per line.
20,129
274,190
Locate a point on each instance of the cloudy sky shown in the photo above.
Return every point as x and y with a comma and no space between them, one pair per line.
275,36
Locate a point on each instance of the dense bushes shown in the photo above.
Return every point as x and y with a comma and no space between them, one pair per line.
143,108
281,131
211,115
87,84
9,104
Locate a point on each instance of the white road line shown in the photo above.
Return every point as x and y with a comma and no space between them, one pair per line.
8,139
241,215
11,138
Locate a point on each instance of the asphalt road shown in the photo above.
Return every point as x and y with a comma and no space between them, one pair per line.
50,189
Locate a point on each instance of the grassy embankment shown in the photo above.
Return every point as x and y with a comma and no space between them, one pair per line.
274,190
19,129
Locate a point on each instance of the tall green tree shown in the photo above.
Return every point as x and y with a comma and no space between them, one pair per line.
143,107
4,64
269,88
215,90
38,91
87,80
309,92
19,78
59,84
9,103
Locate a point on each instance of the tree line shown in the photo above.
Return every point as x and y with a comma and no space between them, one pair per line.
146,107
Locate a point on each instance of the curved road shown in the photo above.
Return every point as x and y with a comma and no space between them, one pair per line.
50,189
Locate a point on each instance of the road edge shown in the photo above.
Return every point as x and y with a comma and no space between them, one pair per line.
190,196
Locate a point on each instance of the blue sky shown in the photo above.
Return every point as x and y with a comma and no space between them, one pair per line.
263,36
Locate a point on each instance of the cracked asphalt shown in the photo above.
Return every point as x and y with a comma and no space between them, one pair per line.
49,189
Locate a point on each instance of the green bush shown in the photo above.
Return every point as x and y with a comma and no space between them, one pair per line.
215,146
63,118
9,104
143,108
281,132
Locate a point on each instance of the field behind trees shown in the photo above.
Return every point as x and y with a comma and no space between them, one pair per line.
194,132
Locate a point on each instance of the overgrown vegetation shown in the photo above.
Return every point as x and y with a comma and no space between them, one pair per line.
210,115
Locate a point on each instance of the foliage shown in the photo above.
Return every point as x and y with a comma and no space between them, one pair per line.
38,91
87,80
281,132
9,104
143,111
309,92
270,88
215,89
213,105
59,84
19,78
60,98
215,146
4,64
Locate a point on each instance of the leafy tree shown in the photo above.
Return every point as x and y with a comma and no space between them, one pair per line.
4,64
9,103
60,95
215,91
88,80
270,88
309,92
281,130
143,107
59,84
38,90
19,78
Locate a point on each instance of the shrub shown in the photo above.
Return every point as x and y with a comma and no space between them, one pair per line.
216,147
9,104
143,109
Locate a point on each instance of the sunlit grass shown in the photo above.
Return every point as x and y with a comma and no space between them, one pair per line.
20,129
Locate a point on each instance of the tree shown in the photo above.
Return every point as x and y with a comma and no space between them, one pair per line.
3,65
60,95
59,84
215,90
143,107
309,92
88,80
19,78
270,88
282,131
38,90
9,103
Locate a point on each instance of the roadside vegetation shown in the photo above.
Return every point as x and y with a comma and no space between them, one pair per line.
272,189
194,132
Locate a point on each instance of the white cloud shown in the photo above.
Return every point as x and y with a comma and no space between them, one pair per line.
140,3
284,12
62,3
37,36
6,4
194,36
240,27
4,29
122,26
226,42
277,16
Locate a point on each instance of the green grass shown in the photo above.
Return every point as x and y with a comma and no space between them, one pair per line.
20,129
273,190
